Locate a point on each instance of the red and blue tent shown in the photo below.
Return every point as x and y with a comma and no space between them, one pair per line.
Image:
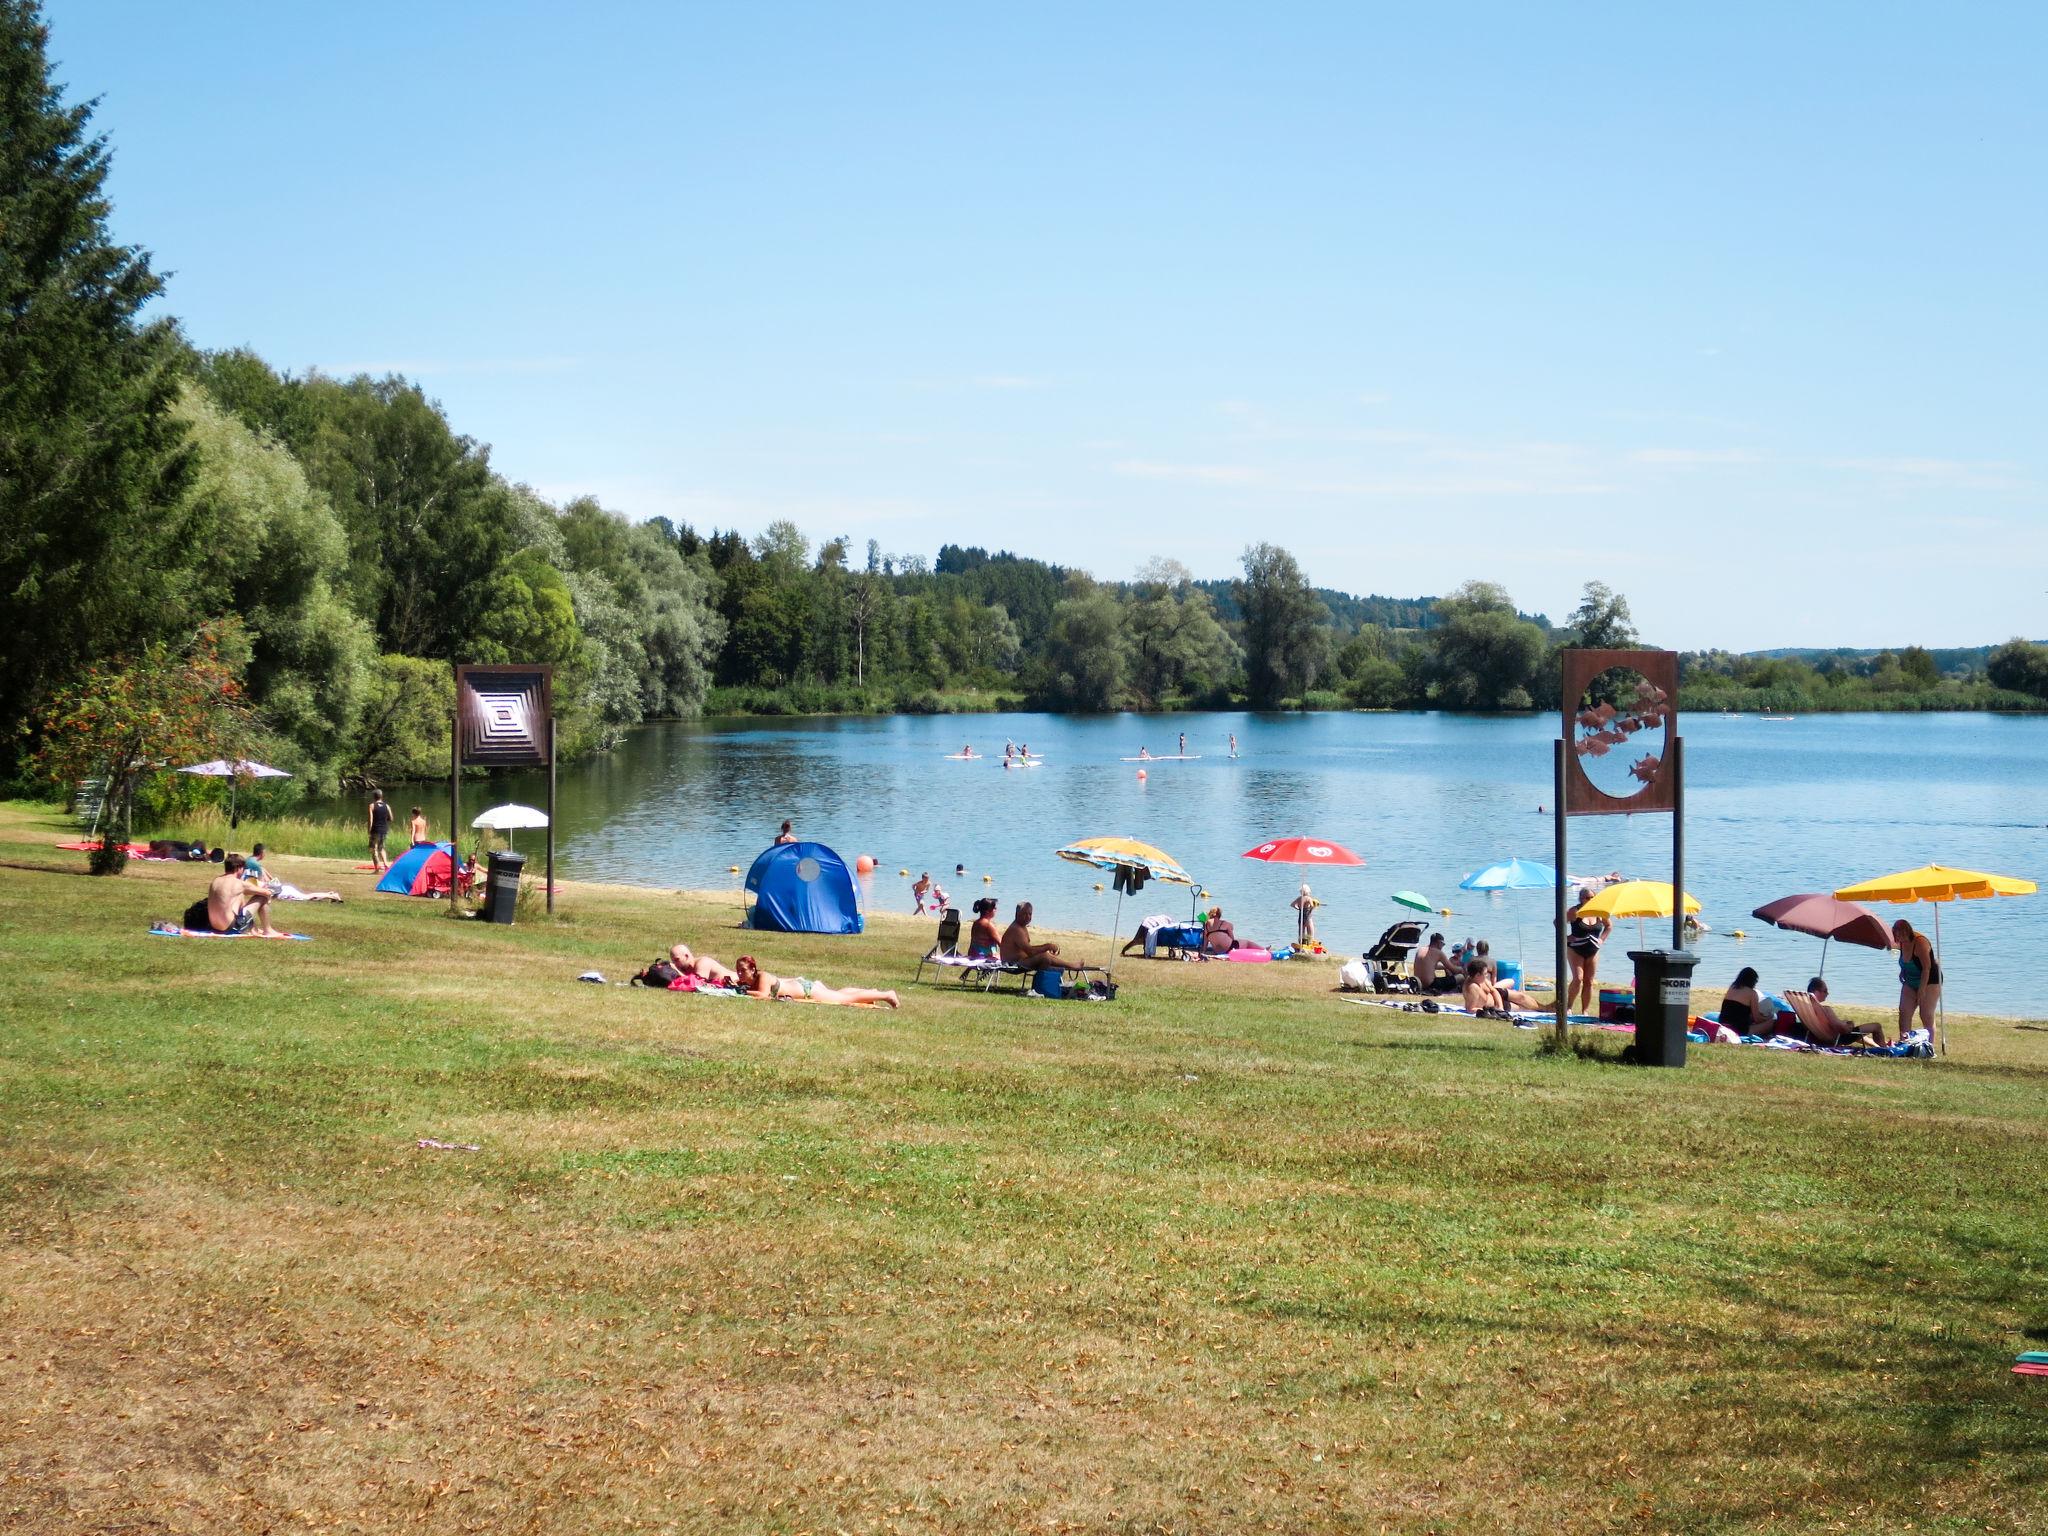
424,869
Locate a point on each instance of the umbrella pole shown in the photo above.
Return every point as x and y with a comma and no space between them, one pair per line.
1823,954
1116,926
234,817
1941,1002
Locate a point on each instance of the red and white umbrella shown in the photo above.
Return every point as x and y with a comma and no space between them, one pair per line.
1303,850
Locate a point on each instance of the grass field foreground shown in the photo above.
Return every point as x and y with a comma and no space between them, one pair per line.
1227,1254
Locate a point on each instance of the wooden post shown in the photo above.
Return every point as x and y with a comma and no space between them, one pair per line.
455,809
1677,847
551,813
1563,972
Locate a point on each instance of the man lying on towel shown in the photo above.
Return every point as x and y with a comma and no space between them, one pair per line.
232,906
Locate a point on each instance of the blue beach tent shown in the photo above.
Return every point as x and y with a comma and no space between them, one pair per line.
803,888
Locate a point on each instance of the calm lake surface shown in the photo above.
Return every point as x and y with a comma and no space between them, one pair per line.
1774,807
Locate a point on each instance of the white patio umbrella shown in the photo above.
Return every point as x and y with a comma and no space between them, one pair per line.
234,772
504,818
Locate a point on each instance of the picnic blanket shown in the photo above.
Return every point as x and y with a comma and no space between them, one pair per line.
173,931
134,851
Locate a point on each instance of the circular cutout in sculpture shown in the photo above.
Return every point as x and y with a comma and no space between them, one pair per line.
1621,732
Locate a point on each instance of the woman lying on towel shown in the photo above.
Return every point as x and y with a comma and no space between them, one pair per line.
1482,991
756,982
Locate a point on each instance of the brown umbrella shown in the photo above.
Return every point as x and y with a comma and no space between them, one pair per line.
1827,917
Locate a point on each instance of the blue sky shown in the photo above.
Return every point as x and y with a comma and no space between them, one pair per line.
1738,308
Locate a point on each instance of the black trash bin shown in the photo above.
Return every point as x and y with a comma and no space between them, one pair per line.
1663,1004
501,887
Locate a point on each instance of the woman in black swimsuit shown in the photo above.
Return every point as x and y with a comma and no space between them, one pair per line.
1743,1008
1582,952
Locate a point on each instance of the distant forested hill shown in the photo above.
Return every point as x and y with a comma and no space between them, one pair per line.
1349,613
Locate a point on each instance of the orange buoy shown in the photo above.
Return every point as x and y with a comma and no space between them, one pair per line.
1141,773
865,864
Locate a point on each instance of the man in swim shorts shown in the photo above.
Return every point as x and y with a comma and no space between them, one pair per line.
233,906
1021,952
380,828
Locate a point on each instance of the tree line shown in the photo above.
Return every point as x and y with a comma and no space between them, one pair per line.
306,556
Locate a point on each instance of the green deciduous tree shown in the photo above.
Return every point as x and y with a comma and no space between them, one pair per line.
1286,635
2020,666
163,707
1177,646
274,553
1601,622
1486,656
1085,663
402,732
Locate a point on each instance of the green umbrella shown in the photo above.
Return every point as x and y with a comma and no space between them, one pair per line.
1414,901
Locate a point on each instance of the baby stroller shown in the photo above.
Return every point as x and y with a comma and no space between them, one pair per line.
1391,959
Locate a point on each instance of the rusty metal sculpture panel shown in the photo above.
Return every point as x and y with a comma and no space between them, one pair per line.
1619,733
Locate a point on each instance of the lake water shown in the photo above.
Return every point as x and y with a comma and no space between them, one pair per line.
1774,807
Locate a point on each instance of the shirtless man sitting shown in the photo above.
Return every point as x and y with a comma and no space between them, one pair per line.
1840,1030
703,967
1482,991
1021,952
233,905
1433,967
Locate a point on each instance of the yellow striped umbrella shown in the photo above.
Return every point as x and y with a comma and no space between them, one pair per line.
1124,853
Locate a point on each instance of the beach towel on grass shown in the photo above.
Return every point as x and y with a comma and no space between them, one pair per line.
173,931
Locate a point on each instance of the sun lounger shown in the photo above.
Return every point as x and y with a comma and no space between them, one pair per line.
1818,1029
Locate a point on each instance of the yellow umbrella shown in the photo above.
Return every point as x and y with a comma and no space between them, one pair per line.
1125,854
1637,898
1936,883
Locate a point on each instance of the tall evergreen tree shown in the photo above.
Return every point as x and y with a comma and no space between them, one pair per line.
89,457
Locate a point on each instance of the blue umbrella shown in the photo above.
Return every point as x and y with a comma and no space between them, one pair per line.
1515,875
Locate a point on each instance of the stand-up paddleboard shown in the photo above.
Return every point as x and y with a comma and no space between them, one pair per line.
1167,757
1023,762
963,757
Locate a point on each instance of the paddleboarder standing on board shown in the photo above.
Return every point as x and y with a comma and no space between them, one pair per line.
1183,743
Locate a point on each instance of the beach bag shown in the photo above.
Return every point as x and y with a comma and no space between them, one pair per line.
1354,977
196,917
663,973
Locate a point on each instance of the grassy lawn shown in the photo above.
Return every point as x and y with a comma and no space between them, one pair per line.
1225,1255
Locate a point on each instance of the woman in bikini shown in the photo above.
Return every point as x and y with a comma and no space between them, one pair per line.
756,982
1919,977
1582,953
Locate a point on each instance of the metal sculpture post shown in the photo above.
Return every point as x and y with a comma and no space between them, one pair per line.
1643,725
504,718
